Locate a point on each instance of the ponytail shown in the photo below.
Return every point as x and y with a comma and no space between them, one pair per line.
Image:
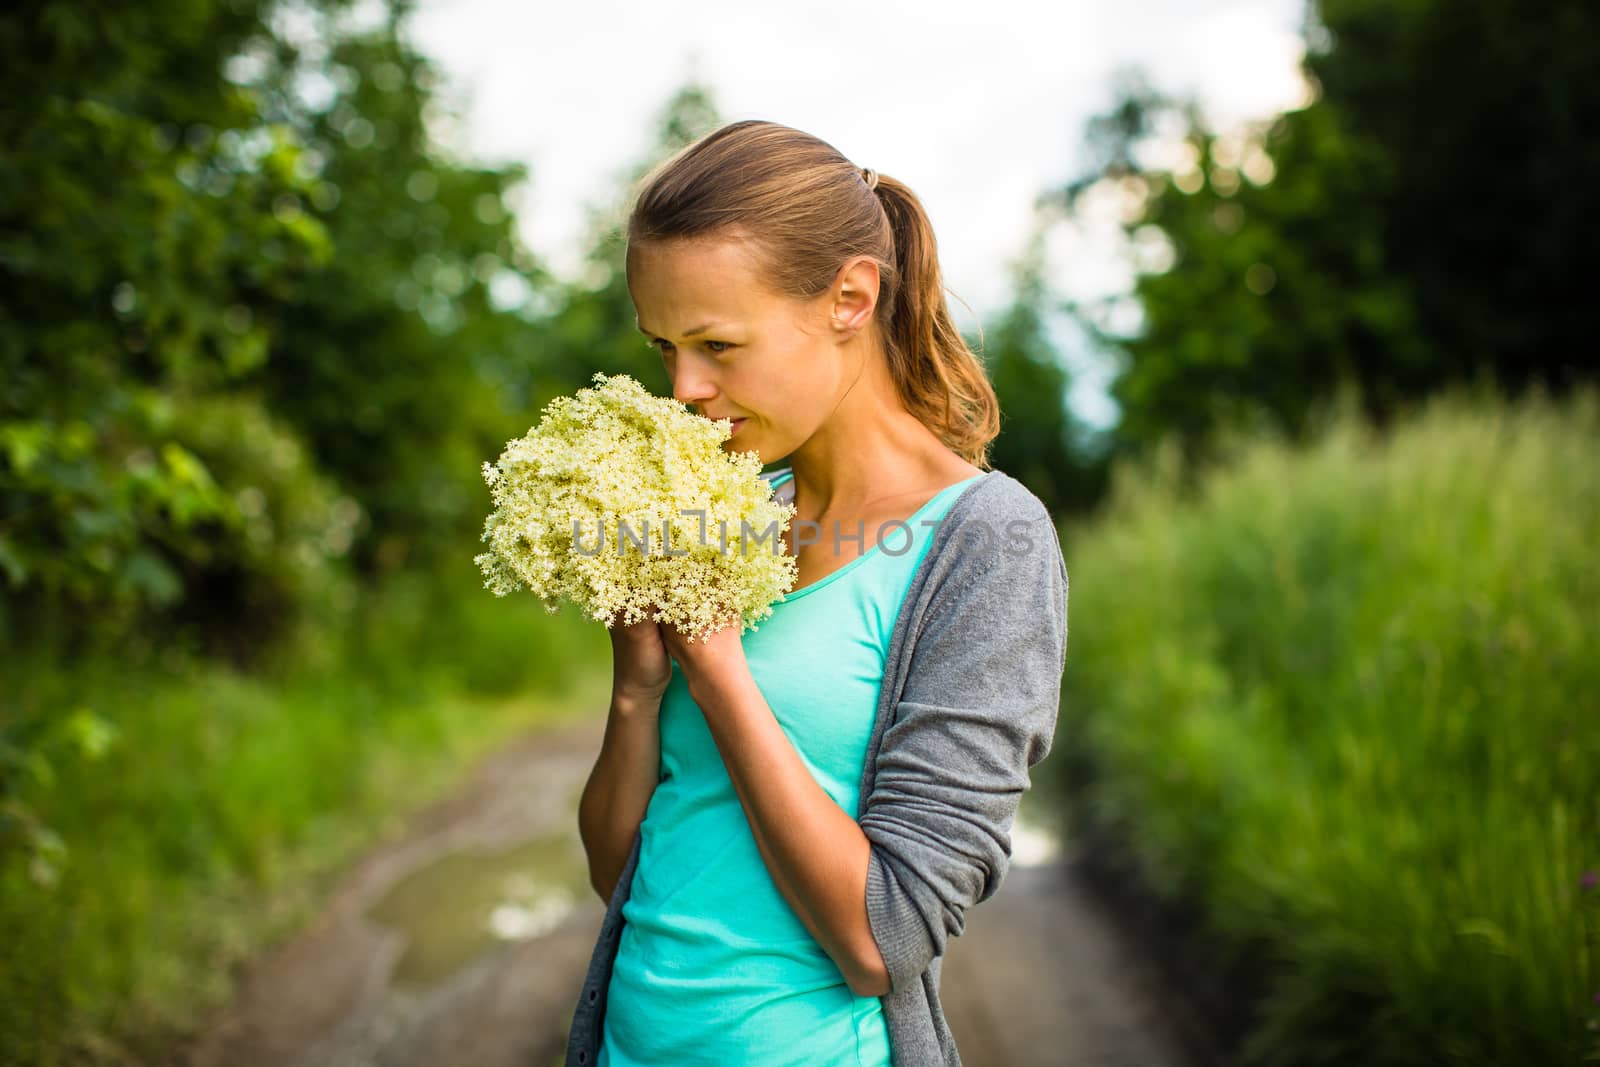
940,380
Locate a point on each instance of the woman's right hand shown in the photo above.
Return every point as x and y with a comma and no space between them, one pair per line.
640,666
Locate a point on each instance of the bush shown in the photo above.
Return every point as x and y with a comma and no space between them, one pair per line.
175,817
1343,697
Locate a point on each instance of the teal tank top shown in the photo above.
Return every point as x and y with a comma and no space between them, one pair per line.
713,965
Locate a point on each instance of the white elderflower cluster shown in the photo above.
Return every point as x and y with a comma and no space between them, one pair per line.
625,504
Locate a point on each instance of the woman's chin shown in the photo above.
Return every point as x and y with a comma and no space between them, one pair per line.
740,440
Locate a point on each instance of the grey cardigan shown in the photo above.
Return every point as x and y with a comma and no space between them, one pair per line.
968,706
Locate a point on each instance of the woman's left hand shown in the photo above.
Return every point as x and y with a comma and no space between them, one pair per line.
707,664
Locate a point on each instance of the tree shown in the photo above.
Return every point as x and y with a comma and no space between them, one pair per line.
1038,442
251,319
404,357
135,215
1420,223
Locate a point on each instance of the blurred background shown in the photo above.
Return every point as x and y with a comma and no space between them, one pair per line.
1285,306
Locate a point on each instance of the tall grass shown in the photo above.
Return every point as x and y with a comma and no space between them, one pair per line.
1347,698
226,803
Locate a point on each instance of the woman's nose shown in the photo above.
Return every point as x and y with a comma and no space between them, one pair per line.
691,384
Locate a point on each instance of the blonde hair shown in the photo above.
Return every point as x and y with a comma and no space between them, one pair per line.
806,210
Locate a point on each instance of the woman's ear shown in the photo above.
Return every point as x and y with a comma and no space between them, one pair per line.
855,295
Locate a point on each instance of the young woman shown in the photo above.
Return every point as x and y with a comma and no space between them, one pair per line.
788,825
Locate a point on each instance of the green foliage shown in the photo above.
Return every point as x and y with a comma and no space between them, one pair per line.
195,812
1481,121
1424,222
249,338
404,359
257,328
1039,442
127,229
226,503
202,209
272,552
1347,707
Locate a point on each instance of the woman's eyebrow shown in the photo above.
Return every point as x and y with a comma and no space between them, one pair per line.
688,333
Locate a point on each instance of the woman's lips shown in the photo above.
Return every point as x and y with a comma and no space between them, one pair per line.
736,424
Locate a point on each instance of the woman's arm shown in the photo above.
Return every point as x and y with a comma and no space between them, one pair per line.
620,786
977,711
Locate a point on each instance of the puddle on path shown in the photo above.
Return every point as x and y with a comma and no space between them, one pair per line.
466,903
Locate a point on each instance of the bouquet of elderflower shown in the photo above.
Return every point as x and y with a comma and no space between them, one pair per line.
624,502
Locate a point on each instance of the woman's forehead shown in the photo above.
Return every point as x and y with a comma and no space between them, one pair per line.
703,280
692,255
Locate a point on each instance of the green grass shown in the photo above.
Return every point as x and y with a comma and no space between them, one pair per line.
227,803
1346,698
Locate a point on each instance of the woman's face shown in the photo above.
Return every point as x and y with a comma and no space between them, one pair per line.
732,348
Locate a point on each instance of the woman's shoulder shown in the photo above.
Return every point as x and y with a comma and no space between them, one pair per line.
995,502
996,524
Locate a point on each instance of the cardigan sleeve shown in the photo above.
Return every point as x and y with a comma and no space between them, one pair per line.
977,711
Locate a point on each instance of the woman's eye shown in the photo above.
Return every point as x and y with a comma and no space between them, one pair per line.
714,347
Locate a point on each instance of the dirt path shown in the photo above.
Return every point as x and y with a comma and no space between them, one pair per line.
463,945
1041,976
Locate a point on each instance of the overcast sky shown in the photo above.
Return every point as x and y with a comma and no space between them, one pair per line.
976,106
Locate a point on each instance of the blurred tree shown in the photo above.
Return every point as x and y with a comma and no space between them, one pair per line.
1419,223
137,226
213,205
255,324
1485,118
1038,442
406,357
